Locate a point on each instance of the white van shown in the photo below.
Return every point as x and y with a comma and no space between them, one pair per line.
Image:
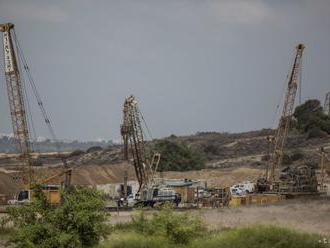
242,188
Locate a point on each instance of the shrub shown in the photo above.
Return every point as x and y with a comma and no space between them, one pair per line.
179,228
290,157
316,132
297,155
178,156
94,149
310,116
79,221
76,153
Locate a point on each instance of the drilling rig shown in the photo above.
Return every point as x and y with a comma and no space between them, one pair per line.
13,58
149,192
291,179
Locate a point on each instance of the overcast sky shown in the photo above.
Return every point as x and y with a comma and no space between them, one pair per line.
194,65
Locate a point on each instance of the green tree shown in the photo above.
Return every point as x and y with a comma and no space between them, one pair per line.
79,221
177,156
310,116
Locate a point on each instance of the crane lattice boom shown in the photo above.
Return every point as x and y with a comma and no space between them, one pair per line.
132,133
285,120
16,101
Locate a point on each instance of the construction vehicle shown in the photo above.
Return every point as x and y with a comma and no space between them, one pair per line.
294,178
149,192
242,188
51,191
14,60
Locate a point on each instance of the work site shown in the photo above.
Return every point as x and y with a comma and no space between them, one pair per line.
214,118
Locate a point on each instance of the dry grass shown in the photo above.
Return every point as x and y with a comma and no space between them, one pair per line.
307,215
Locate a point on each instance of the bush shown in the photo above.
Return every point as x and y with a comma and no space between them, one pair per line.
94,149
177,156
290,157
310,116
178,228
316,132
76,153
79,221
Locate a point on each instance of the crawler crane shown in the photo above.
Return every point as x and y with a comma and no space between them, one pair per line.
149,192
26,178
291,179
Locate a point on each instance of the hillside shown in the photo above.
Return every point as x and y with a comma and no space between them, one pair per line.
222,150
229,158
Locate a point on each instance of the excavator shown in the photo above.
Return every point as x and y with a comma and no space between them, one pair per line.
150,192
293,179
25,177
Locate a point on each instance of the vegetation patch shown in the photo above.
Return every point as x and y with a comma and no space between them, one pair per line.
311,119
79,221
177,156
265,236
256,236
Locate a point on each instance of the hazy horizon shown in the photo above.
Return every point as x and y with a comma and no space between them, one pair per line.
193,65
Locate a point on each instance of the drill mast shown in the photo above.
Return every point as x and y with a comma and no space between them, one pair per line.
285,120
16,102
132,134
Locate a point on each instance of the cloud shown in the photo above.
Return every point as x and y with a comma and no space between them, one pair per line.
33,11
242,11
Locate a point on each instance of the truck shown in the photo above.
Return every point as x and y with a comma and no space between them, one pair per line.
157,195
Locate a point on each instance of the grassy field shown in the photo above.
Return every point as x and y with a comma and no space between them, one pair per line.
263,236
169,229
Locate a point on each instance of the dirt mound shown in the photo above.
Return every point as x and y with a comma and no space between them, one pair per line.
218,177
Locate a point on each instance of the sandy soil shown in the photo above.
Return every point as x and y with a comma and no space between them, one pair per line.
104,174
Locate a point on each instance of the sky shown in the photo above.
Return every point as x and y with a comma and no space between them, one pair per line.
211,65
